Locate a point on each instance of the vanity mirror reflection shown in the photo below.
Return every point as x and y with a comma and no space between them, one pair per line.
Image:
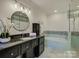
20,20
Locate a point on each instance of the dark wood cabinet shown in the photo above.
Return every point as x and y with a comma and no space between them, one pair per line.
41,45
11,52
34,43
29,49
41,40
25,46
40,48
36,48
30,53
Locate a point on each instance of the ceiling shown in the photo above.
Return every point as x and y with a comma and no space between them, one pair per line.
50,5
61,5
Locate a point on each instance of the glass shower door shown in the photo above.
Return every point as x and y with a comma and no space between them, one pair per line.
74,25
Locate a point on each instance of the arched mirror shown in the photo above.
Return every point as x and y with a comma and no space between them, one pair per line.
1,26
20,20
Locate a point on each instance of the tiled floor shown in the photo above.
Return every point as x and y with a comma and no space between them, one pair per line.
57,46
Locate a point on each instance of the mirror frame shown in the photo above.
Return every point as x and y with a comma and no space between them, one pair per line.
19,15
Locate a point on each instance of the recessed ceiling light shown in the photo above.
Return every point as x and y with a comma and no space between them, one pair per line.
55,11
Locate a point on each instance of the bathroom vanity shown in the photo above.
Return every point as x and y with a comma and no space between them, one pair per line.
27,47
21,45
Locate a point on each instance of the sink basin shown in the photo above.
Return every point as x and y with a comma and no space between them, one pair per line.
27,38
4,40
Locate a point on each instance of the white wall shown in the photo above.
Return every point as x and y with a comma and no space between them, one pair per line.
7,7
58,22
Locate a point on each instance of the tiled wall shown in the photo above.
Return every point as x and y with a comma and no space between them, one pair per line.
56,32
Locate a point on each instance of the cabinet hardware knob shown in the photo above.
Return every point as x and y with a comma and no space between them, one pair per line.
27,47
12,54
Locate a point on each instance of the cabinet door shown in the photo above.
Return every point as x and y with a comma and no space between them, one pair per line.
30,53
41,48
27,50
41,40
34,43
11,52
38,50
25,46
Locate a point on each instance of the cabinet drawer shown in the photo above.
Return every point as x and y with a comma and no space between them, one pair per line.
25,46
34,42
11,52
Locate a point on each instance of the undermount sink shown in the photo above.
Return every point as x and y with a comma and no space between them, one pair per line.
27,38
4,40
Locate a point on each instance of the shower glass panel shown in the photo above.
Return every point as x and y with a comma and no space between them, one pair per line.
74,24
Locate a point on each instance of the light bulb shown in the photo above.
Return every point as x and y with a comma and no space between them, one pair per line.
15,6
55,11
21,8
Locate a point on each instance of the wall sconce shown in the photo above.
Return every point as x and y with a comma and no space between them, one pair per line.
22,7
